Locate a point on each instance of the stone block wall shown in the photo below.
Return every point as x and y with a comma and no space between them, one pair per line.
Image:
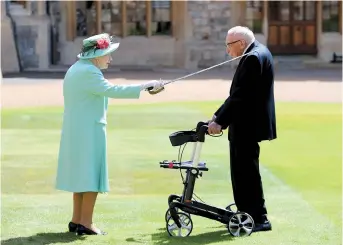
210,21
329,43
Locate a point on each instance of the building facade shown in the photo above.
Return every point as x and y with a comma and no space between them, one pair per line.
178,34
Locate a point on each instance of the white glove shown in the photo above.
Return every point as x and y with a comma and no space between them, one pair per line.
152,84
156,86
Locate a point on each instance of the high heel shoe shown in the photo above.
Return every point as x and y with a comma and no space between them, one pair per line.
72,227
82,230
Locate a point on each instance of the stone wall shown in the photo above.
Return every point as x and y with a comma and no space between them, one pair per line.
328,44
210,22
210,19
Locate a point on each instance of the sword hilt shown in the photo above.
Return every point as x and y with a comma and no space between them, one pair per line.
156,91
151,91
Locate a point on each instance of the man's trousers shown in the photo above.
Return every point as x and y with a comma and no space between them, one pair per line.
246,179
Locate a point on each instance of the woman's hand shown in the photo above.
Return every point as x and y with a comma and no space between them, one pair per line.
153,87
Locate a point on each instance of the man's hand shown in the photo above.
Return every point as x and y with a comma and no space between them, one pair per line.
214,128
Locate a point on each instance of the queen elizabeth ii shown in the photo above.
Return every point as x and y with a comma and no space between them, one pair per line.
82,164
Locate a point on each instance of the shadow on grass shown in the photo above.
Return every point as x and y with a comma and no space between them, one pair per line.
200,239
43,239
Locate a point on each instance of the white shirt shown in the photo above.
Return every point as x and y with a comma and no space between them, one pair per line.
245,50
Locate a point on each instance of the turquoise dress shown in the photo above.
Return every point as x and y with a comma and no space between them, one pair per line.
82,158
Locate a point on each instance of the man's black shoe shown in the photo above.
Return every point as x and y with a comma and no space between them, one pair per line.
265,226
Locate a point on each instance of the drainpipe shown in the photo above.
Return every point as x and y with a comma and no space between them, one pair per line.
8,12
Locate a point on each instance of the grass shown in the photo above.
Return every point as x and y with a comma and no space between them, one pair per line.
301,174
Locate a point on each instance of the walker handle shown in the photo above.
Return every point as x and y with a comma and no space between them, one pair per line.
201,131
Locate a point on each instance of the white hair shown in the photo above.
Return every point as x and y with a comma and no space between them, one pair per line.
242,32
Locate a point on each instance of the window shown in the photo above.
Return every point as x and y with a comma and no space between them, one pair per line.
82,16
279,11
254,16
331,16
111,17
161,17
120,18
136,18
23,3
303,11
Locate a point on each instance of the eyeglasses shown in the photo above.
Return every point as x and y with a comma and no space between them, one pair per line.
230,44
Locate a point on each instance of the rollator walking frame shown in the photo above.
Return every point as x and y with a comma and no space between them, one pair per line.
178,216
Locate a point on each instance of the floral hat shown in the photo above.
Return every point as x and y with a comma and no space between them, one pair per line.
98,45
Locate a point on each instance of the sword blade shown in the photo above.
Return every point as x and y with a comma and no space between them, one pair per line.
209,68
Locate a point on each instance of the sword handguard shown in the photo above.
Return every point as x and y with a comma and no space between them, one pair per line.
151,91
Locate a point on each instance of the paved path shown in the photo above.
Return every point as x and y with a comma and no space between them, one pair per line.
45,90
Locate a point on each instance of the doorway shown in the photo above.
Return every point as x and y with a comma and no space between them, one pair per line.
292,27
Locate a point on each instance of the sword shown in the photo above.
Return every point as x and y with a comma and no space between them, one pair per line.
192,74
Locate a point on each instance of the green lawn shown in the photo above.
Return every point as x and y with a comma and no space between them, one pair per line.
301,173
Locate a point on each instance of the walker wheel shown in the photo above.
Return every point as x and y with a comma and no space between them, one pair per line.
167,215
233,210
186,225
241,224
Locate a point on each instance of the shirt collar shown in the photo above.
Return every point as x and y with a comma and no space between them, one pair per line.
245,50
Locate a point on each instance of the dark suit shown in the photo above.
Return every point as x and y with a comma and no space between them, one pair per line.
249,113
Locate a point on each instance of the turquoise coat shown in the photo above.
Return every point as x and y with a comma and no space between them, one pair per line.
82,162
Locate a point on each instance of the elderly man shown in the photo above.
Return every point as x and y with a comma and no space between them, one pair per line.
249,113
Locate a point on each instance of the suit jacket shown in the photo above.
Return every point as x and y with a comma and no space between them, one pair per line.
249,111
82,164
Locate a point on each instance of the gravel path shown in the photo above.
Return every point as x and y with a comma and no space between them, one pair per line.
46,90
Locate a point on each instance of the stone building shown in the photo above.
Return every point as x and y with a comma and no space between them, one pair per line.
178,34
